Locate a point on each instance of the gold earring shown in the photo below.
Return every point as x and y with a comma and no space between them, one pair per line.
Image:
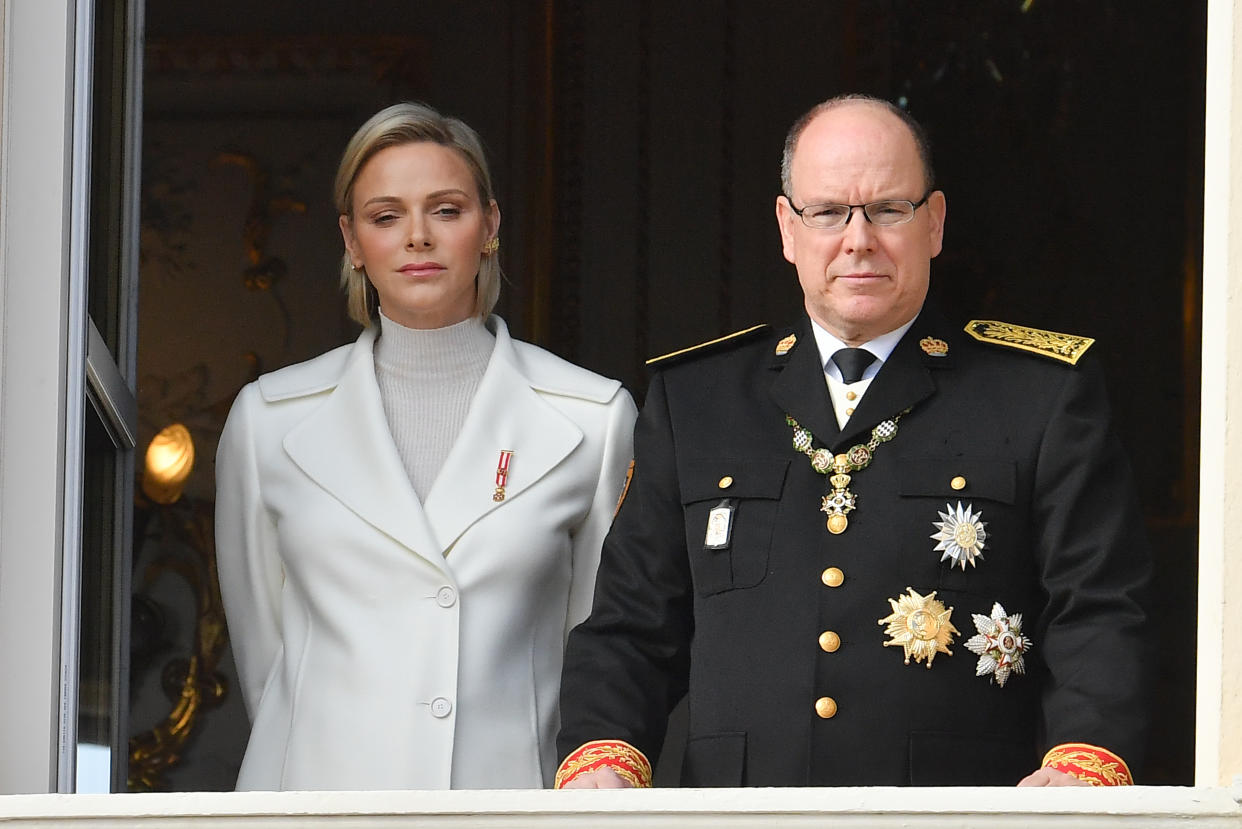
491,246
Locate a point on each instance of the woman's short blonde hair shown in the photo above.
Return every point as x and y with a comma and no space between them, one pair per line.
408,123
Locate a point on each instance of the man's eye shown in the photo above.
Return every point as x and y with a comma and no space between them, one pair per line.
889,209
828,211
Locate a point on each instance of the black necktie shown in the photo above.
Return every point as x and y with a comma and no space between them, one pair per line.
853,362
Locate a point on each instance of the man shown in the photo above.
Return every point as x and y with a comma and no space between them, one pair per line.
921,563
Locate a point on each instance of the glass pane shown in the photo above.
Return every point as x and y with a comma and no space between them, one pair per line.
98,634
107,292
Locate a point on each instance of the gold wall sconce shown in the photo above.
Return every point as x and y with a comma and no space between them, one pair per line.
169,461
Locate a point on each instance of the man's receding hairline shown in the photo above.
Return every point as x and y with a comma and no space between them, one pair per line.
836,106
913,129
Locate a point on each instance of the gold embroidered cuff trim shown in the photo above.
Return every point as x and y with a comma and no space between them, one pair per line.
628,762
1097,766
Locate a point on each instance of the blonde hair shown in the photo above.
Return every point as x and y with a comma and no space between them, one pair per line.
408,123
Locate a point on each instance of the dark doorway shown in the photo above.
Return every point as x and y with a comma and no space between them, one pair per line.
636,146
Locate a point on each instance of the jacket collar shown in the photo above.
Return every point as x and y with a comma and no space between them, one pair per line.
799,387
345,447
904,381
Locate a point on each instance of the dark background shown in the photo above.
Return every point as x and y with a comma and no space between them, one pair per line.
636,150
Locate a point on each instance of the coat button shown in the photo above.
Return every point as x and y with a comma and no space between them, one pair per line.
832,577
958,482
826,707
829,641
725,482
446,596
849,395
441,708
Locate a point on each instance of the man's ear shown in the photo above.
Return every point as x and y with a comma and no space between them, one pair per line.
936,207
785,217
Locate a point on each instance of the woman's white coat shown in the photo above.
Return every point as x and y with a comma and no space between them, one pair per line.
387,644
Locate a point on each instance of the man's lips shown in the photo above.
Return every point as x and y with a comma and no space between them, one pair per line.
861,276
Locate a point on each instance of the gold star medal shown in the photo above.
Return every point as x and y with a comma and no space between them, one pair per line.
961,535
1000,644
920,626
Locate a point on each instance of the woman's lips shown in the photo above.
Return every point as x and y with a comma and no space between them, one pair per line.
422,268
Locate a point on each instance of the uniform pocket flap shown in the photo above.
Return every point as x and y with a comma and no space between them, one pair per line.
706,479
987,478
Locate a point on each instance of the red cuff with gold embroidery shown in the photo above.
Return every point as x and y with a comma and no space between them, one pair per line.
1097,766
628,762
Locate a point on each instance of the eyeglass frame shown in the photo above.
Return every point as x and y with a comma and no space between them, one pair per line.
914,206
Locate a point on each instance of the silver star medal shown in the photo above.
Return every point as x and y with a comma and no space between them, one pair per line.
961,535
1000,644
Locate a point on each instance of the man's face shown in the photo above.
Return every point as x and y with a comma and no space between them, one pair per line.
862,280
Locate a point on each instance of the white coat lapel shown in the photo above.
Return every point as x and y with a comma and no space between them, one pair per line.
506,413
346,447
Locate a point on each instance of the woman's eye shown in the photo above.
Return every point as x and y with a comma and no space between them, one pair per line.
447,211
384,219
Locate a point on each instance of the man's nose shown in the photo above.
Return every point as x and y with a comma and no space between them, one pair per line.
859,232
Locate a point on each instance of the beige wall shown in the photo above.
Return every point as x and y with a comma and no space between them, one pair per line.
1219,717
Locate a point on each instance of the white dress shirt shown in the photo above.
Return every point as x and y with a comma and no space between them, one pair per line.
846,396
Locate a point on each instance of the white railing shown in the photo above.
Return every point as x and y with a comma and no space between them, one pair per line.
878,808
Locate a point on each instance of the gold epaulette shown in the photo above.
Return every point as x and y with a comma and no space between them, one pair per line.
1068,348
736,336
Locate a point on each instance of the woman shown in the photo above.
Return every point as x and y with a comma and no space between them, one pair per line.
408,527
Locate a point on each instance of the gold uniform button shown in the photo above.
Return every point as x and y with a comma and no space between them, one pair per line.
726,482
832,577
849,395
958,482
849,411
826,707
829,641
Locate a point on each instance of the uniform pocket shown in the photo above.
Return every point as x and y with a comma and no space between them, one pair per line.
939,758
730,508
715,760
983,536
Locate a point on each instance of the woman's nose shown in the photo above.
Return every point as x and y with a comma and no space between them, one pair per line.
419,236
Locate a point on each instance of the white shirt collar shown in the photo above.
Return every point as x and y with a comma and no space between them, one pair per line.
882,346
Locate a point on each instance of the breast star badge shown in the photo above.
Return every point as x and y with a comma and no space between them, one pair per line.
920,626
961,535
999,644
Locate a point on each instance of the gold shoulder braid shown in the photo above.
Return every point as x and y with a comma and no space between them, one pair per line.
1068,348
857,458
682,352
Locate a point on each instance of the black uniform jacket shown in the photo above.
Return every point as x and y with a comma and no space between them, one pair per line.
739,628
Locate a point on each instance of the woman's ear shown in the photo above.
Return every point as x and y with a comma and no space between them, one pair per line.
351,243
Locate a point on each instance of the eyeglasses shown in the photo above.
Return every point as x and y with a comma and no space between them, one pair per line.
882,213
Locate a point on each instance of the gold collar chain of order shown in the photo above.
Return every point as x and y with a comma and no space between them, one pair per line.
841,501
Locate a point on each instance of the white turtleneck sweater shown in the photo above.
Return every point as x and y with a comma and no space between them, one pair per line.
427,378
